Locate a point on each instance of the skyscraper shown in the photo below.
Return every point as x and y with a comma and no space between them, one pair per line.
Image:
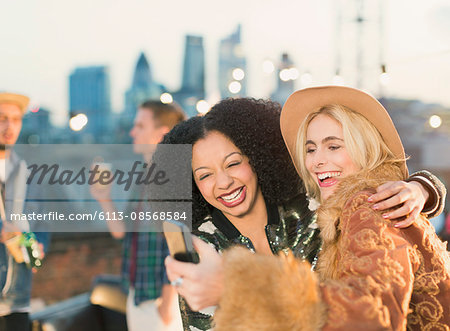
193,84
232,66
37,127
89,93
194,66
142,87
285,79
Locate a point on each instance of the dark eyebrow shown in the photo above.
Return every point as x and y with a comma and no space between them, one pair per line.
324,140
226,156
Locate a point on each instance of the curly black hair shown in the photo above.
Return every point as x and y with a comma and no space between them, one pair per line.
254,127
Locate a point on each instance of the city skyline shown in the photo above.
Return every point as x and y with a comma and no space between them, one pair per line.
51,39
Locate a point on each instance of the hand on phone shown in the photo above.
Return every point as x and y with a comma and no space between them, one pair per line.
203,283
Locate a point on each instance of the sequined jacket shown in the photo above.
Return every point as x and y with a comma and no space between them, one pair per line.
371,275
291,226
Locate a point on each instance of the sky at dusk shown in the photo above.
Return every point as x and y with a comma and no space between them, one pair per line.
43,41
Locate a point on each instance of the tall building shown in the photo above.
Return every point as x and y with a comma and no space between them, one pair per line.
232,66
37,127
193,84
194,66
142,87
89,93
285,80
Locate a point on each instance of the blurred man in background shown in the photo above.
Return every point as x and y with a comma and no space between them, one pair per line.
152,301
15,268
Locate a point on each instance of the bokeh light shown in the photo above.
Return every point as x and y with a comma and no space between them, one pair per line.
238,74
78,122
234,87
166,98
285,75
435,121
202,107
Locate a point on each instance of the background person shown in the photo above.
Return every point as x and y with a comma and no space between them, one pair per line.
15,276
151,300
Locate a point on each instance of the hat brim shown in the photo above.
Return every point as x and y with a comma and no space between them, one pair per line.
16,99
303,102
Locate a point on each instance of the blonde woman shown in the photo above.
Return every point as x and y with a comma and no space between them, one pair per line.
371,275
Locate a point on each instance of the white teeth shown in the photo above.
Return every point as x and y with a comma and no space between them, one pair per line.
325,175
233,196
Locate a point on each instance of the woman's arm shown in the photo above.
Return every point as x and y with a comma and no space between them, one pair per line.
422,192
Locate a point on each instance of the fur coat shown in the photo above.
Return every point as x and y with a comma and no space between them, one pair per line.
371,275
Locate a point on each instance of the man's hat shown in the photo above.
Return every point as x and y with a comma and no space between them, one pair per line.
303,102
16,99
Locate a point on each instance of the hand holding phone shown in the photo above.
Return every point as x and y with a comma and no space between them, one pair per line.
200,284
179,240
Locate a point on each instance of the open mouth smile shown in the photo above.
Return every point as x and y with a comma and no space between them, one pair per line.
327,179
234,198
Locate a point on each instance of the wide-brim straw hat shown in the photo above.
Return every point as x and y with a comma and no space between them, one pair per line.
16,99
305,101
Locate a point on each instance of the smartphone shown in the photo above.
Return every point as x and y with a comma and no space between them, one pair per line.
179,240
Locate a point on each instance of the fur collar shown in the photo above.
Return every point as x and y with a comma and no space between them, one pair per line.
329,212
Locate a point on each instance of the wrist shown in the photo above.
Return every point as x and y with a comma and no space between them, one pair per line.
428,190
425,192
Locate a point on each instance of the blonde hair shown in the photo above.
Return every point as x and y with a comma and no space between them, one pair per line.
363,143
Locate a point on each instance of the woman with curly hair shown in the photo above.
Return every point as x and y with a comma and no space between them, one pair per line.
245,191
240,196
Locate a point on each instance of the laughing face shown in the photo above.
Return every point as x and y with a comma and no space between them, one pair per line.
224,176
327,159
